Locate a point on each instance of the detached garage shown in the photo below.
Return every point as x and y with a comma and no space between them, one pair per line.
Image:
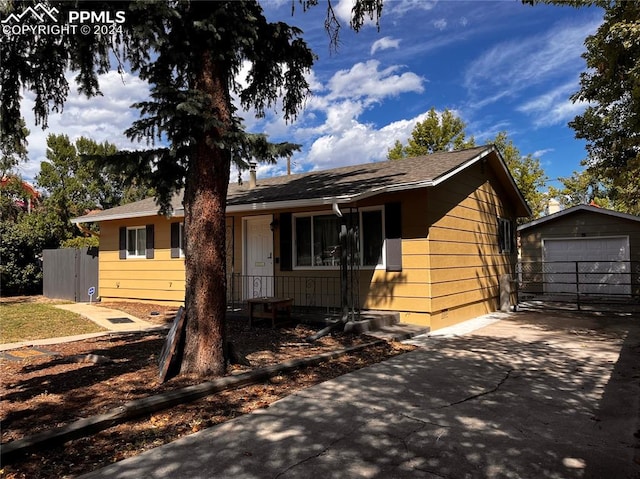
584,250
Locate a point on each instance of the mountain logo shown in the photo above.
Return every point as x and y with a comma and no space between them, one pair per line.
40,13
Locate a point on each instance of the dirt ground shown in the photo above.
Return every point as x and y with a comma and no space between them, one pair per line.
54,389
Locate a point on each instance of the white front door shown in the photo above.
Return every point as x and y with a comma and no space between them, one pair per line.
258,254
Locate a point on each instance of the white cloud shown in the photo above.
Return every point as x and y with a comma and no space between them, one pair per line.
401,7
540,153
554,107
385,44
329,126
514,66
343,10
361,143
101,118
440,24
332,120
489,133
365,80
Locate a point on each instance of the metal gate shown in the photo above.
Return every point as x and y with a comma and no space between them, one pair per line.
581,285
70,273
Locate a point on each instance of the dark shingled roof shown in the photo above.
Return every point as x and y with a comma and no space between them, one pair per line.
351,180
345,183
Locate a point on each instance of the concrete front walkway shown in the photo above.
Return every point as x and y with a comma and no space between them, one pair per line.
529,396
110,319
113,321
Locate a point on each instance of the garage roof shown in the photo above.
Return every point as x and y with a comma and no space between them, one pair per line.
576,209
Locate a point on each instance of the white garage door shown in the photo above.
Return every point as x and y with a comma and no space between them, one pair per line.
597,266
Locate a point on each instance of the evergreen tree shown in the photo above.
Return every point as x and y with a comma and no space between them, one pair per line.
190,53
13,149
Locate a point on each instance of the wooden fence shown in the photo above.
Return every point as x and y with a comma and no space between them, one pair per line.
70,274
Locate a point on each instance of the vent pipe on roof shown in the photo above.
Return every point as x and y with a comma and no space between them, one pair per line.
252,175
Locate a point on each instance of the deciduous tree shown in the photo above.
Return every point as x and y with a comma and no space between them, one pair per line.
610,86
76,180
581,188
526,171
438,132
447,132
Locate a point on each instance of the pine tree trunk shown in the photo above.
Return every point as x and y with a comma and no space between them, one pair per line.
205,256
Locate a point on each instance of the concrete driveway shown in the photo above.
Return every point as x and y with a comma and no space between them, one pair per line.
534,395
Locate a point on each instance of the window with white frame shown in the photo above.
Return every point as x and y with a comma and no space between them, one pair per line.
505,235
137,242
317,238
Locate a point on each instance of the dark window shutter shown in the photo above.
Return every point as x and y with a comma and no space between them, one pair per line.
512,237
150,241
501,239
393,236
123,242
286,242
175,240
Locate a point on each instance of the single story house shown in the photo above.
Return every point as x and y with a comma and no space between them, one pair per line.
429,238
584,249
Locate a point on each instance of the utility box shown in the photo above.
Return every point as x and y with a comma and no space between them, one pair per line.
507,288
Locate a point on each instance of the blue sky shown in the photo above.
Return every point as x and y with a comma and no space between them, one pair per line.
500,65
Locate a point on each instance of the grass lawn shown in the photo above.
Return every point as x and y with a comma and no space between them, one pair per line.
25,321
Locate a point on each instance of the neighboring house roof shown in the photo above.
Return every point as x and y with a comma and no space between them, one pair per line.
339,185
576,209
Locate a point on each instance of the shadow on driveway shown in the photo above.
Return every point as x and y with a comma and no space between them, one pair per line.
533,396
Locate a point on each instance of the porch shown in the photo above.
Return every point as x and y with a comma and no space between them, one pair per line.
317,294
316,300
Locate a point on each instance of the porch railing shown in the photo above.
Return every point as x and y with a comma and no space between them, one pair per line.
308,292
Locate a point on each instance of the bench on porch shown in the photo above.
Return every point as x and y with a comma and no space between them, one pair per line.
269,308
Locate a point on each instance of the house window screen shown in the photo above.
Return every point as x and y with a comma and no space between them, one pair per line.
372,238
317,239
136,242
303,241
326,241
505,235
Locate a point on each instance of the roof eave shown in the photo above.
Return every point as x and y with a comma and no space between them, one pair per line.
122,216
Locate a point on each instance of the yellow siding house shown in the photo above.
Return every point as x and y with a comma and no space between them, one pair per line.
427,237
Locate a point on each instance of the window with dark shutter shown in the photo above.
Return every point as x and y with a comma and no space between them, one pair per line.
122,242
505,235
286,238
150,241
175,240
393,236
